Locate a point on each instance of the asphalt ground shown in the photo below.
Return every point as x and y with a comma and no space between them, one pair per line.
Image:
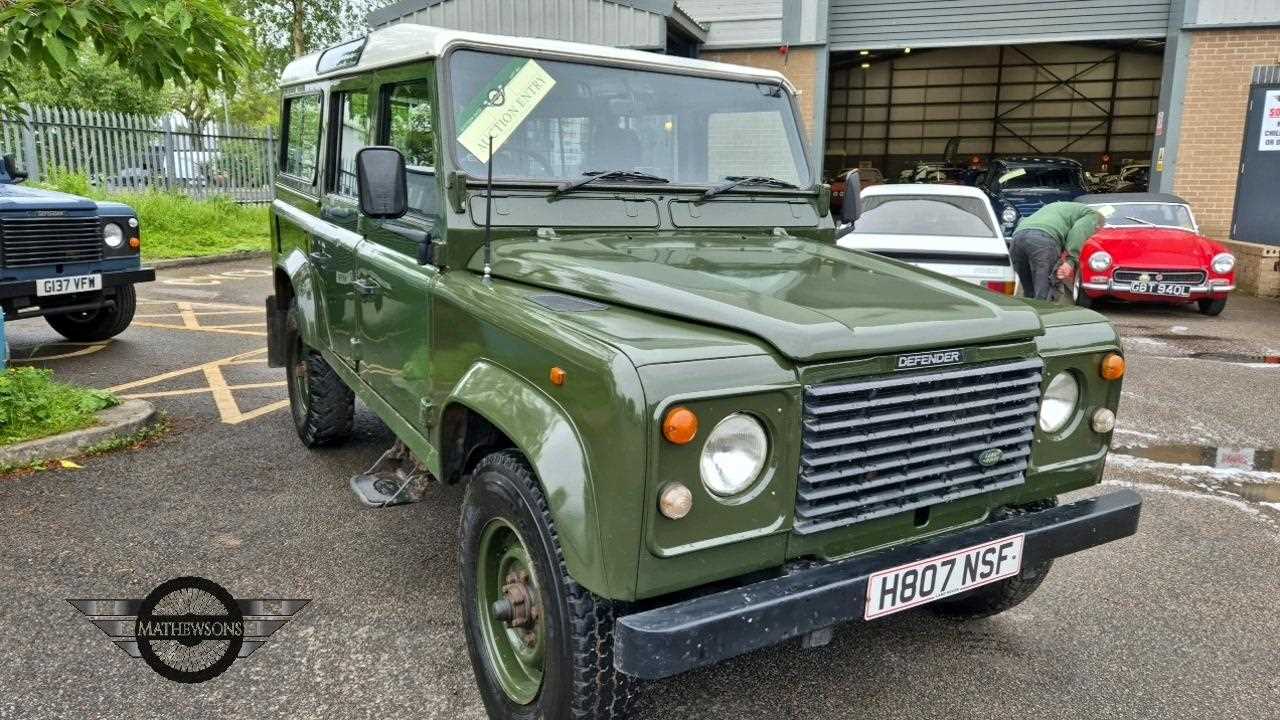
1180,621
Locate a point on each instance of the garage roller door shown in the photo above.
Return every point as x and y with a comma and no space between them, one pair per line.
868,24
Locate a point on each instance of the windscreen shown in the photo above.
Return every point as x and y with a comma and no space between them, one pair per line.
1041,176
555,120
955,216
1157,214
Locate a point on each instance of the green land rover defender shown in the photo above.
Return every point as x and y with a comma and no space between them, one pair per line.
600,288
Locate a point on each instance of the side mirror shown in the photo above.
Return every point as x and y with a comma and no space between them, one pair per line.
851,208
11,169
383,184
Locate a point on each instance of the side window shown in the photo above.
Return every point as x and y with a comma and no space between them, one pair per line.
352,127
410,128
302,137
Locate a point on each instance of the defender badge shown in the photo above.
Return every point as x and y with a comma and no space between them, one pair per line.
990,457
929,359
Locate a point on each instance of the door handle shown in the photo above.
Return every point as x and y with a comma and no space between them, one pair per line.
366,288
320,259
338,213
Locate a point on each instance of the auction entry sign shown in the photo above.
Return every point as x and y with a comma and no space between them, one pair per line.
1270,139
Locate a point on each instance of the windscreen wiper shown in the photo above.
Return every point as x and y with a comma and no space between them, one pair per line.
591,176
733,181
1139,220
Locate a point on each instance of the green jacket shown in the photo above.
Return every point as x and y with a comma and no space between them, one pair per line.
1071,224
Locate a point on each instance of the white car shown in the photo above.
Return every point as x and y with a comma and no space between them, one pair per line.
950,229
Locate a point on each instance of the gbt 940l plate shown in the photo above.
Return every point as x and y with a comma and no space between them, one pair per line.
923,581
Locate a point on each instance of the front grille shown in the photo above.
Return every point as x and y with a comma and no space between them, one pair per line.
888,444
25,242
1189,277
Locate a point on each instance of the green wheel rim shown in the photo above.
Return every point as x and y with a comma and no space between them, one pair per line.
515,654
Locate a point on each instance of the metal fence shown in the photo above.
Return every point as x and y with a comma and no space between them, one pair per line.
119,151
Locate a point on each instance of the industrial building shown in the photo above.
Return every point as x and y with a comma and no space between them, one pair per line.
1191,87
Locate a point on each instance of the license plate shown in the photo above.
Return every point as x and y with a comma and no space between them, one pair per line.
69,284
1171,289
906,586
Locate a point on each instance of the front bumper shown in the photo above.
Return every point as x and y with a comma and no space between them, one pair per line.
27,288
1125,290
676,638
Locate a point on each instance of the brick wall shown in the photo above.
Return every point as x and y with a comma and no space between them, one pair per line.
1213,115
1220,71
800,66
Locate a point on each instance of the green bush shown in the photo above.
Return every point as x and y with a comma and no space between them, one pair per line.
33,405
174,225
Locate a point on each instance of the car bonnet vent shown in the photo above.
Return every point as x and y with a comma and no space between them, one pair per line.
566,303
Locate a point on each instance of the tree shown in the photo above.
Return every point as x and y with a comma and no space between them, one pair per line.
90,84
289,28
182,42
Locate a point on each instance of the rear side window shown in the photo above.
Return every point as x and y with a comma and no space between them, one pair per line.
410,128
301,137
353,134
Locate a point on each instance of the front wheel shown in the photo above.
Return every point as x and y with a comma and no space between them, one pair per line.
101,324
541,645
1212,307
1078,294
999,596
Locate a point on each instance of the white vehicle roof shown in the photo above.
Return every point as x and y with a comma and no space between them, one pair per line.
407,42
923,189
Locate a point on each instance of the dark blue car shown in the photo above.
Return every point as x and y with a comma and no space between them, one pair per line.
1019,186
68,259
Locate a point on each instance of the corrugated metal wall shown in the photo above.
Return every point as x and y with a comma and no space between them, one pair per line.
589,21
738,23
1232,12
859,24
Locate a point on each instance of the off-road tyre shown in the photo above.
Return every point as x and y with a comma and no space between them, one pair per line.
997,597
579,681
322,406
100,324
1212,307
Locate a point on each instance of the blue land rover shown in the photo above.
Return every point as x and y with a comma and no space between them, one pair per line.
67,259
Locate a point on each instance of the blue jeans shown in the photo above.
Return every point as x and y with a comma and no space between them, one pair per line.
1035,255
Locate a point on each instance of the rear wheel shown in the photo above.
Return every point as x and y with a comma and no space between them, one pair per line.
541,645
100,324
322,406
1212,307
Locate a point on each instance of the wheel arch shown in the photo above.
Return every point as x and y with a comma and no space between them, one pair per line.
294,281
492,408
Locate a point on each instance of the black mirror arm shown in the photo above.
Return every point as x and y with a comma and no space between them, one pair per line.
424,239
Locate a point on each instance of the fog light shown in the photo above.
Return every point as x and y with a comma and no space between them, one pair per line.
675,501
1103,421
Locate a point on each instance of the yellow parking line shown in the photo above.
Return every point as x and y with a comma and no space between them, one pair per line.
197,391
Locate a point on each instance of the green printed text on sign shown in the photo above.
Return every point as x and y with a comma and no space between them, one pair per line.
513,95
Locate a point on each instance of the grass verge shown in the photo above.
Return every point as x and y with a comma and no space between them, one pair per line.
135,441
176,226
33,405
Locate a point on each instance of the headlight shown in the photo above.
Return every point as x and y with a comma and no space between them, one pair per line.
1009,216
112,235
733,455
1223,263
1059,402
1100,261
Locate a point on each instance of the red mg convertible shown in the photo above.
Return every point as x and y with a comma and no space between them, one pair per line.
1151,251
